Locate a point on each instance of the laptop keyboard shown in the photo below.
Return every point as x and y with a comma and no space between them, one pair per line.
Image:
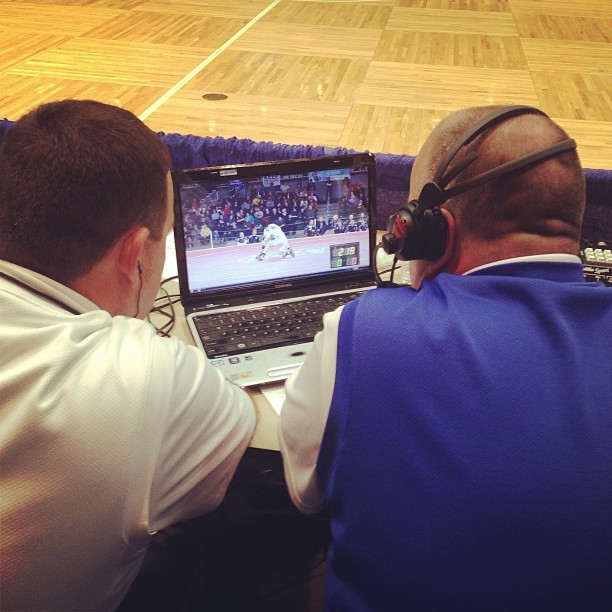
263,327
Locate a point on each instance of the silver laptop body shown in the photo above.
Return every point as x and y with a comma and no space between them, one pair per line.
261,242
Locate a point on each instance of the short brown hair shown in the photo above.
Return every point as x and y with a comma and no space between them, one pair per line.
75,176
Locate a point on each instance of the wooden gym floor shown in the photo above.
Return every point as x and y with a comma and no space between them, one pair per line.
373,75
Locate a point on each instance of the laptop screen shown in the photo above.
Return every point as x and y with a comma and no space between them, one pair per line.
296,221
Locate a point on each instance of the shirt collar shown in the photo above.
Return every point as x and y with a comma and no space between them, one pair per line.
556,257
46,288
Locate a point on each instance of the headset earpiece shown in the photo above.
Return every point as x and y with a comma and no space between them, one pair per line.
413,233
436,233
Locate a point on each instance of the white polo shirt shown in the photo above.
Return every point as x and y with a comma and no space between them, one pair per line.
107,433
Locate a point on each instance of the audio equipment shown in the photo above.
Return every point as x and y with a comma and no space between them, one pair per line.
596,260
418,230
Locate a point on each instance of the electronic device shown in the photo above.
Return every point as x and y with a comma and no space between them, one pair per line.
265,249
597,260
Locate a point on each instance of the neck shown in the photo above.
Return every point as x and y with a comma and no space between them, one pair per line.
473,252
109,291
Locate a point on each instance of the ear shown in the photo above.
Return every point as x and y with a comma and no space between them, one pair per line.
130,248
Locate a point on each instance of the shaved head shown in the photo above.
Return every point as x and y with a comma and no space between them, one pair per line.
545,200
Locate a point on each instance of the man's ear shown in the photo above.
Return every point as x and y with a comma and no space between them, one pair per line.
130,251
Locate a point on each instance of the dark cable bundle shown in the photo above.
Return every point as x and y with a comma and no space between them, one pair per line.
164,307
391,271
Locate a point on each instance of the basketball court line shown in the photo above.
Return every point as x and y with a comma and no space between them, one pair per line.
191,75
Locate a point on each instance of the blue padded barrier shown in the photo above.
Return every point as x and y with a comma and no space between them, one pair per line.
393,171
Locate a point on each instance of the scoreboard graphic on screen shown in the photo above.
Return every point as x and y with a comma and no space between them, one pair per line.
344,255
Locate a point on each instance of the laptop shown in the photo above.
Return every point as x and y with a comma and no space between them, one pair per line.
265,249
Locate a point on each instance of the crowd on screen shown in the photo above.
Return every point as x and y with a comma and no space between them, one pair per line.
239,216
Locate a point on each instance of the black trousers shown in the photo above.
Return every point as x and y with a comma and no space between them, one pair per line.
255,553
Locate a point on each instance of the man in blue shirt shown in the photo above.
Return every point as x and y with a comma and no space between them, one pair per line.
459,431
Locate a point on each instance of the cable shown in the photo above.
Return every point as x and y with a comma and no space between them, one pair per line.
377,274
164,307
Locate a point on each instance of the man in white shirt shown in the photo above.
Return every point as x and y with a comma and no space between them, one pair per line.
108,433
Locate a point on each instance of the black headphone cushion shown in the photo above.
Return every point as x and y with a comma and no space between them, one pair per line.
435,232
413,233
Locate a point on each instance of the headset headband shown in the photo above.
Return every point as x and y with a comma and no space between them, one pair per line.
435,192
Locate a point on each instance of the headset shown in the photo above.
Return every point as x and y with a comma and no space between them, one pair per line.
419,230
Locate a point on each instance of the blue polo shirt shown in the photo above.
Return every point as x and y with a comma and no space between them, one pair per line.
467,458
